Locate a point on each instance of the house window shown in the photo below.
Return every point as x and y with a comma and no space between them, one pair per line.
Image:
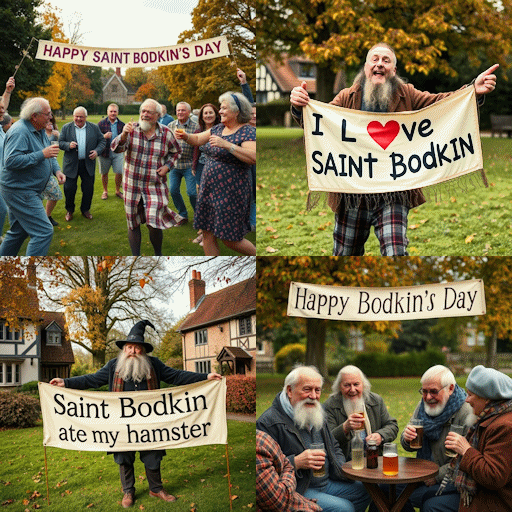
53,338
10,373
8,334
201,337
204,366
113,87
245,325
307,70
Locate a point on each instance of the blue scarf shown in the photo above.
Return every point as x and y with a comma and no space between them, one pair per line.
433,425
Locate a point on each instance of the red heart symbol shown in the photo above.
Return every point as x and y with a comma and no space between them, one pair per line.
383,135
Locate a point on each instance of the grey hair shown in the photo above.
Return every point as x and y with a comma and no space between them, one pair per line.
80,108
351,370
445,375
382,45
6,120
158,107
245,110
32,106
114,105
189,108
298,371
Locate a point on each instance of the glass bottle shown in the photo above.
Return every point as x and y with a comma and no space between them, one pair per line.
372,454
357,449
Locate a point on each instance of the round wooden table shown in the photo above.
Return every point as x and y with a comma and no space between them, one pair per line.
410,472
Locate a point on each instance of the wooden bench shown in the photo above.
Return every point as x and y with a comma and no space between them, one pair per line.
501,124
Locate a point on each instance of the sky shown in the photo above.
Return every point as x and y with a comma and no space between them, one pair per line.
127,24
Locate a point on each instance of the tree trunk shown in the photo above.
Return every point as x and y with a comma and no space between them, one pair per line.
492,360
315,352
98,358
325,78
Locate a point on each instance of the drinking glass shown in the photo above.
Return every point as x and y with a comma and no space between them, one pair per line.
390,459
458,429
318,472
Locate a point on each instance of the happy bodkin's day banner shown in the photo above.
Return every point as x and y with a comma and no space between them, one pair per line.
134,57
358,152
454,299
176,417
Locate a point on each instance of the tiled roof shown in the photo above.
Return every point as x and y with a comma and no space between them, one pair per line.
236,352
284,76
53,353
230,302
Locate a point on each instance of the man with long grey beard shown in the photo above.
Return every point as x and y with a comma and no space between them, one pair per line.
377,88
150,152
134,370
296,422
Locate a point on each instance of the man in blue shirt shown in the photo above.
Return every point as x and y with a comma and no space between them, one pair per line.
29,161
166,118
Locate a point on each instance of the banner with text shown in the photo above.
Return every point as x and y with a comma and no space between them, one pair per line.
176,417
459,298
134,57
359,152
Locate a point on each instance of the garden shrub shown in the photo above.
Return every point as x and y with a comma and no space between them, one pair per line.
18,410
290,355
29,387
241,394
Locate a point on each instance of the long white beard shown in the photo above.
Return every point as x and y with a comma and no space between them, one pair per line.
377,96
144,125
136,368
306,417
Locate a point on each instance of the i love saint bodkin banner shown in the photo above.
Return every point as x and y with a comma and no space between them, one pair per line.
356,152
175,417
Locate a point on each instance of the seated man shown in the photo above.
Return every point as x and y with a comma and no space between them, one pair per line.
353,407
275,480
442,404
296,421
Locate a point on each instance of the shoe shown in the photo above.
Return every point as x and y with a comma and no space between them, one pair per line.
69,216
119,194
182,222
104,195
87,215
53,221
198,240
128,500
163,495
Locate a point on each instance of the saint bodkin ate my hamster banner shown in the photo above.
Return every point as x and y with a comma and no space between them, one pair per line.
358,152
176,417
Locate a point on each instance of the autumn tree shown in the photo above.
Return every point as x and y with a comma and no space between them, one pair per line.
171,348
337,34
136,77
145,91
100,293
78,90
203,82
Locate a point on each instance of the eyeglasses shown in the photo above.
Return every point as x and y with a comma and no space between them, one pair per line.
431,392
47,114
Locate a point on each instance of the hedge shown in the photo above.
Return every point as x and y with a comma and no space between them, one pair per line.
289,355
241,394
18,410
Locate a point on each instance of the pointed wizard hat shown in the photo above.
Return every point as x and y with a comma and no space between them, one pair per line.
136,335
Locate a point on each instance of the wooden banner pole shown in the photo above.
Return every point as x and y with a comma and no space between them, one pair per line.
25,53
229,480
46,474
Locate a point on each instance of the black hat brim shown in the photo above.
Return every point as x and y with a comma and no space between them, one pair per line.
147,346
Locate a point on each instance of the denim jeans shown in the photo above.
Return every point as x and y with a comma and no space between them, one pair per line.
27,218
340,496
175,177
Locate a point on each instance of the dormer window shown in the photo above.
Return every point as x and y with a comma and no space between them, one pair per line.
53,334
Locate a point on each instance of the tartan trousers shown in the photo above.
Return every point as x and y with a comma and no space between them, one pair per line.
352,229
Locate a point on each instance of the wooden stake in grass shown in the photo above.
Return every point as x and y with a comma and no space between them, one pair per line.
229,480
46,474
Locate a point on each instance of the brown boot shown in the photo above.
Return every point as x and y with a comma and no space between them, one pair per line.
163,495
128,500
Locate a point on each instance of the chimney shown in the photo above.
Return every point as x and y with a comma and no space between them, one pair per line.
197,288
118,72
31,274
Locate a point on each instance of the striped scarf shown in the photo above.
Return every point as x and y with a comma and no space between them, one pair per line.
118,383
464,483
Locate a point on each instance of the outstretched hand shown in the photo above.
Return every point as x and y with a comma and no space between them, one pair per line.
299,96
486,81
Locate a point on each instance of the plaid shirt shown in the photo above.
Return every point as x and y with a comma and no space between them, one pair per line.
141,181
275,479
187,151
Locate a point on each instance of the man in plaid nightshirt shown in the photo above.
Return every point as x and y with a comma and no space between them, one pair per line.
151,151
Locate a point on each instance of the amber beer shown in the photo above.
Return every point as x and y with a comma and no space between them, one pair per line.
417,442
319,473
390,460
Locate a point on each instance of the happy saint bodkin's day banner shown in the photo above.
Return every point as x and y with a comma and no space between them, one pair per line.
357,152
134,57
458,298
176,417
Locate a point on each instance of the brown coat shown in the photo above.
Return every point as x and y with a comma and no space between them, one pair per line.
491,466
406,98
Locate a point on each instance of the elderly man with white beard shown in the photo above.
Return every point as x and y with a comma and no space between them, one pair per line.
442,405
134,370
377,88
296,421
150,152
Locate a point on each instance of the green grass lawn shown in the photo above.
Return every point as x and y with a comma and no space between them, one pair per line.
107,232
90,480
476,222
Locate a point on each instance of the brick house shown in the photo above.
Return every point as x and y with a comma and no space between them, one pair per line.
219,333
116,90
38,351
